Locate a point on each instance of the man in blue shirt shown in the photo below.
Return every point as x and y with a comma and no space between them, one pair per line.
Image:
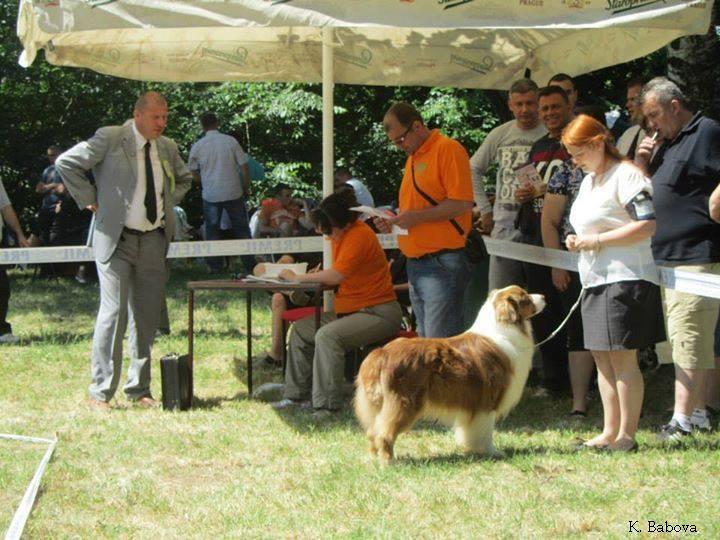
685,171
220,164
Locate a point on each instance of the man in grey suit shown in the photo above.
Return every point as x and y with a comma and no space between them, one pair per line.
139,177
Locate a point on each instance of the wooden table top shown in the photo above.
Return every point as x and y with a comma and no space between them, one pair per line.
256,285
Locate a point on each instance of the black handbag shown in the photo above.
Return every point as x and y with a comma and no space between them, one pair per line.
474,244
177,381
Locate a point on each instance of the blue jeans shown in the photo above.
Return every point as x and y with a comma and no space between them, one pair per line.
437,289
237,212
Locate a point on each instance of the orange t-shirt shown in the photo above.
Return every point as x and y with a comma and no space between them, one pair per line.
442,170
359,257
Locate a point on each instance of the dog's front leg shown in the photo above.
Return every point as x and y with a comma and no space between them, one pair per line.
476,434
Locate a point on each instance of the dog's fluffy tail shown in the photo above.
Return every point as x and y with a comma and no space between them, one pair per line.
368,388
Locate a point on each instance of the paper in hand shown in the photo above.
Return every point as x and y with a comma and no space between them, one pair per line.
369,210
528,174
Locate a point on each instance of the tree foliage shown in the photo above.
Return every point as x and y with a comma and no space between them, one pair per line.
279,124
693,63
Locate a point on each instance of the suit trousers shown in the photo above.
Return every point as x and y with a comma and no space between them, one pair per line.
316,360
132,282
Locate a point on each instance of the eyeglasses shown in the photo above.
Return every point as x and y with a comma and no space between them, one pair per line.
401,139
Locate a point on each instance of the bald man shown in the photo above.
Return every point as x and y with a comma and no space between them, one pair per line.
139,177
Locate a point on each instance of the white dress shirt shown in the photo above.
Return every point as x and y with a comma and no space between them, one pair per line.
136,216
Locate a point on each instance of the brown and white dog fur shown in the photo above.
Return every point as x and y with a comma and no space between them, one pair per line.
469,381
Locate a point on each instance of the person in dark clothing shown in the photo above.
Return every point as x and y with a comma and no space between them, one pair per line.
9,218
685,171
547,156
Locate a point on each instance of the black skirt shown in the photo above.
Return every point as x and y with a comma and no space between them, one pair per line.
622,316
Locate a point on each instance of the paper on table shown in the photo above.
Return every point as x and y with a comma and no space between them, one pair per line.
379,213
261,279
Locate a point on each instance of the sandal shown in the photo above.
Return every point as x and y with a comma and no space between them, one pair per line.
581,445
578,414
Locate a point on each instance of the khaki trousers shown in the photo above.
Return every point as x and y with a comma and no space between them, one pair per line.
316,360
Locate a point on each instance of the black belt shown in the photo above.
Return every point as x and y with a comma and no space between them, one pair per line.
137,232
437,253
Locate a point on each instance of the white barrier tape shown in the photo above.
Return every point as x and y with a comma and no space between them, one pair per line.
698,283
182,250
17,525
690,282
556,258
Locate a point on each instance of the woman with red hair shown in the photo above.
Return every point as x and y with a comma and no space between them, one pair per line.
614,218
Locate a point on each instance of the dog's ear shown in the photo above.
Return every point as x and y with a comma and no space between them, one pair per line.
506,310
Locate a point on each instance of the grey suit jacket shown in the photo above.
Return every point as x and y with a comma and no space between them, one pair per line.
111,156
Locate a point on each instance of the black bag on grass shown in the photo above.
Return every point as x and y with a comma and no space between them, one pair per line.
177,381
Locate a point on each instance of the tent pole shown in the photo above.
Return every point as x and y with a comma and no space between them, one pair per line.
328,82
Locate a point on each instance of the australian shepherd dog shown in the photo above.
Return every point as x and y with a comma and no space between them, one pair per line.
468,381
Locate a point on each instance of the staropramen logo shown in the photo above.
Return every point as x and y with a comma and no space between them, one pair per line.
622,6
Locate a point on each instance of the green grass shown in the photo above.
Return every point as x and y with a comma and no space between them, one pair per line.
235,468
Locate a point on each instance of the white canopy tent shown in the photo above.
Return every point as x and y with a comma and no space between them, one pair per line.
459,43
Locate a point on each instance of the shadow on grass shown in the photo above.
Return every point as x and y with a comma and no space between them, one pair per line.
304,421
535,414
699,443
228,333
214,402
62,337
456,458
461,457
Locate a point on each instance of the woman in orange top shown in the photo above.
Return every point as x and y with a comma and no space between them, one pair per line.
366,310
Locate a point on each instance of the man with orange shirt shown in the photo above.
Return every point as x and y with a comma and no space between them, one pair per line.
436,199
